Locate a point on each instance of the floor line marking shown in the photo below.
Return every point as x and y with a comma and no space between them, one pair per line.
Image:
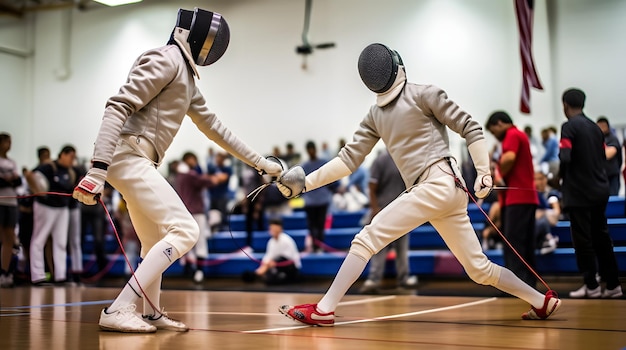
352,302
80,303
445,308
375,319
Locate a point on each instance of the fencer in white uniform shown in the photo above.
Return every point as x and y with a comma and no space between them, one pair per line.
413,122
137,128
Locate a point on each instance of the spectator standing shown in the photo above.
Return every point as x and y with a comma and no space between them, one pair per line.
254,211
51,215
613,152
291,157
535,149
520,200
93,222
191,186
9,180
585,189
325,152
25,216
549,163
75,242
385,185
219,193
317,201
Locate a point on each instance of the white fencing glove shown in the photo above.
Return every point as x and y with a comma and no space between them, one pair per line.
332,171
480,157
272,166
291,182
91,186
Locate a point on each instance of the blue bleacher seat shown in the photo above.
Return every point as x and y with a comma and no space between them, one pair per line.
429,254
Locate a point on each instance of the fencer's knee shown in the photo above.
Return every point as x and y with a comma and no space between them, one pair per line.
486,273
183,236
360,248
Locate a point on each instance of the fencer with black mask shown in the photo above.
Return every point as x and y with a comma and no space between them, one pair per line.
138,126
412,120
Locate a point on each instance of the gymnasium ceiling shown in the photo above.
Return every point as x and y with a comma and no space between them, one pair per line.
18,8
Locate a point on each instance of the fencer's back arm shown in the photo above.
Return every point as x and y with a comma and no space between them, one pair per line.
146,98
435,101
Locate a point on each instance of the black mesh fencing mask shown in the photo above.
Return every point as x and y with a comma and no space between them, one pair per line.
183,21
378,67
209,37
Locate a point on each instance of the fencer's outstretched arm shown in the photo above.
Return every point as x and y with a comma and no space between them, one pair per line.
214,129
330,172
293,182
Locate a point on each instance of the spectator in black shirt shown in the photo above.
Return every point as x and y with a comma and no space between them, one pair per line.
613,151
51,214
585,190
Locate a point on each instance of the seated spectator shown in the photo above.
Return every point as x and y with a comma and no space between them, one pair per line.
281,263
547,214
549,163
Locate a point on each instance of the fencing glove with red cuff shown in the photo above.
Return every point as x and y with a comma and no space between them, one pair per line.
91,186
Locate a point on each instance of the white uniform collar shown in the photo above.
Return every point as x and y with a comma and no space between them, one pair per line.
384,98
180,36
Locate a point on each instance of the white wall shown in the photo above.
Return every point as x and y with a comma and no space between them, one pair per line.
259,89
590,53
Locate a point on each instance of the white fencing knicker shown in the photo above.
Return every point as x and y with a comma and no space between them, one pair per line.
155,209
435,198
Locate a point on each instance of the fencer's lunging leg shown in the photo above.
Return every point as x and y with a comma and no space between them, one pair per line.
349,272
158,259
458,233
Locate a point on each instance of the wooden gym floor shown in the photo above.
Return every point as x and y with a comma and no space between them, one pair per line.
66,317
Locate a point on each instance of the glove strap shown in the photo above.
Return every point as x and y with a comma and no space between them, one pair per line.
100,165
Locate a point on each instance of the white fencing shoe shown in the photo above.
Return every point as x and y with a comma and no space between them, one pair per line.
124,320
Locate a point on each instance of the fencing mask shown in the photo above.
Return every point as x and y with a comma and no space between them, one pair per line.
208,37
382,71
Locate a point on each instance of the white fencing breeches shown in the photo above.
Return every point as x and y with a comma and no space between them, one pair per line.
437,200
155,209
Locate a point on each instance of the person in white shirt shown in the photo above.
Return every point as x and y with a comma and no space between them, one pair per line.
281,262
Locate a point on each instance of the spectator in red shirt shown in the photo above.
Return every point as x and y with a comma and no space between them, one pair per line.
515,167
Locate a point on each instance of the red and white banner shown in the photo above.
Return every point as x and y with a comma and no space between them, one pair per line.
524,13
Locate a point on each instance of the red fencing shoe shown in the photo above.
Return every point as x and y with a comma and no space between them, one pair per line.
550,304
308,314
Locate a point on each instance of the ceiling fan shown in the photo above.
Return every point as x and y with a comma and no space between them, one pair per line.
307,48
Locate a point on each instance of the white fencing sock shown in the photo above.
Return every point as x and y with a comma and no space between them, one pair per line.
511,284
153,295
350,270
158,259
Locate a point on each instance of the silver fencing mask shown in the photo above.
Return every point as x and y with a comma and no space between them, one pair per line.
378,67
209,37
